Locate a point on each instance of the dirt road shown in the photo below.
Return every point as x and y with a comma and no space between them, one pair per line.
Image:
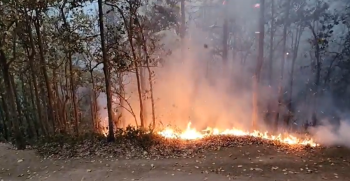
256,163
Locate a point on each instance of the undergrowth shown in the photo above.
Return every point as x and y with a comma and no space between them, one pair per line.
126,140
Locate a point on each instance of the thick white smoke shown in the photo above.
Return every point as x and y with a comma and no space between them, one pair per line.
332,135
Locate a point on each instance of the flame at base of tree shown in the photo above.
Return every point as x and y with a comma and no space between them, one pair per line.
193,134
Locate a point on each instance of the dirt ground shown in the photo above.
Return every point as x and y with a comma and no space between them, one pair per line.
256,163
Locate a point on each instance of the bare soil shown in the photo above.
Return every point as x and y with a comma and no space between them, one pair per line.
256,163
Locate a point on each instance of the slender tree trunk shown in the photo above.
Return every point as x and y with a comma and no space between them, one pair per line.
3,123
6,120
183,28
121,99
143,88
225,39
284,56
13,86
94,103
317,83
295,46
106,71
59,102
130,30
18,104
21,108
153,109
142,124
11,104
37,120
42,119
272,34
71,72
270,69
51,108
150,81
74,98
66,91
37,104
259,64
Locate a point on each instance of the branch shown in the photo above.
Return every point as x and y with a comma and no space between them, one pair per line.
7,28
308,24
98,63
127,102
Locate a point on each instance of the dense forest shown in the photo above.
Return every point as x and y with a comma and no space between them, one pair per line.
75,66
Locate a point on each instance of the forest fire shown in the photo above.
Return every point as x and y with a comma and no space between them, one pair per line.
193,134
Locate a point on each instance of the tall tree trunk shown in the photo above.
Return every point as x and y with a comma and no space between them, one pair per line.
270,69
58,102
6,120
284,56
150,74
106,71
143,87
21,110
317,54
18,103
38,124
94,103
295,46
52,112
66,100
153,109
183,28
74,98
225,39
259,64
130,30
142,124
11,104
43,100
272,34
136,64
121,100
13,85
42,119
3,126
71,72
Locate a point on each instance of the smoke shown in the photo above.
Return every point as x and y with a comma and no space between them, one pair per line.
330,135
193,86
189,90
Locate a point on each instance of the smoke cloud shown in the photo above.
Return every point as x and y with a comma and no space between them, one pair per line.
332,135
193,86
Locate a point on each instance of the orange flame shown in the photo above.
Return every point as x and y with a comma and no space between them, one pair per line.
193,134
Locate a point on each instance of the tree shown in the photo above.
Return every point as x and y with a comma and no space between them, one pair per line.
106,71
284,57
259,64
8,25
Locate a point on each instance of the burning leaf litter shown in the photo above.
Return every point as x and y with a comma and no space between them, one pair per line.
156,146
193,134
